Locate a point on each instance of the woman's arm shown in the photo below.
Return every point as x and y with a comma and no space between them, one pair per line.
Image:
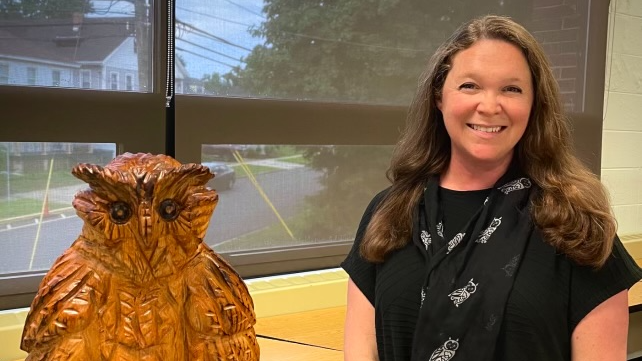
360,343
602,333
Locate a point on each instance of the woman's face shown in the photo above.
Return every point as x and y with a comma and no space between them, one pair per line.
486,102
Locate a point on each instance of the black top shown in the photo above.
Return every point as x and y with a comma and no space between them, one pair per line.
550,296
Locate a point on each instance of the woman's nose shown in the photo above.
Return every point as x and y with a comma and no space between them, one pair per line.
489,103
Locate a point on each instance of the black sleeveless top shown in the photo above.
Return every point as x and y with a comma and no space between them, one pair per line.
550,296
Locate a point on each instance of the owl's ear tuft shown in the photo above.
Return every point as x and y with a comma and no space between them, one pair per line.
89,173
197,174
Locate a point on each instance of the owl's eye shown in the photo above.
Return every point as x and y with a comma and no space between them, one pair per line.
120,212
169,209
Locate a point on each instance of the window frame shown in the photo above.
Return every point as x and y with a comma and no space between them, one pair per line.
129,82
4,79
85,74
53,78
32,80
134,121
114,85
200,119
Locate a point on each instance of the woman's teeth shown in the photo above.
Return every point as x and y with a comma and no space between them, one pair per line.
486,129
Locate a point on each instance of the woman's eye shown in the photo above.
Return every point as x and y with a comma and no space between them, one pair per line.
467,86
168,209
120,212
513,89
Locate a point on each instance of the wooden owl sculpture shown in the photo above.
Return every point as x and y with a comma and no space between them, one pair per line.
139,283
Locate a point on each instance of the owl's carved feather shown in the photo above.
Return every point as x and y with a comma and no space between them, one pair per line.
139,283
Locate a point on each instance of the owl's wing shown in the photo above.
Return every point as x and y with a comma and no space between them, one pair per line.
64,305
220,310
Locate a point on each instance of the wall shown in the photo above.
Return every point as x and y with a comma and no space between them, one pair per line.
622,141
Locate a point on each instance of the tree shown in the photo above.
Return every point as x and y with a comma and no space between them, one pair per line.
353,50
356,51
352,175
222,85
43,9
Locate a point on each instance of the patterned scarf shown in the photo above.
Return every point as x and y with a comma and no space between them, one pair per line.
468,280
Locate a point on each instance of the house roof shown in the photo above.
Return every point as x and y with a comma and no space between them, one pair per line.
56,40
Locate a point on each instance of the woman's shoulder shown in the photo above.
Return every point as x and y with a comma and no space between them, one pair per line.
591,286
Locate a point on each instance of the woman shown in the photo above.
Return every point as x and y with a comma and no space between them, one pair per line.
494,242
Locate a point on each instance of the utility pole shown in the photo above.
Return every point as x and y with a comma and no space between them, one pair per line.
143,29
8,172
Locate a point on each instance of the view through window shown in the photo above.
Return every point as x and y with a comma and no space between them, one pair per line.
69,42
285,195
37,222
355,50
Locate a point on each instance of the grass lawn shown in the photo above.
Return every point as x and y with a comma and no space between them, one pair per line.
299,159
21,207
36,181
274,235
255,169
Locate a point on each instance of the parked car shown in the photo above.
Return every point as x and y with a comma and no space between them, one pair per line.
224,175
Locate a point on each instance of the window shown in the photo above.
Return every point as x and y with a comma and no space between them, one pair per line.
55,78
298,76
31,76
41,216
129,82
85,78
113,81
103,38
87,125
4,73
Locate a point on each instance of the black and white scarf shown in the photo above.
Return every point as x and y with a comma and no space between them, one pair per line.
468,280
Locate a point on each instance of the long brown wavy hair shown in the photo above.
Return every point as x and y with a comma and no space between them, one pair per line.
571,210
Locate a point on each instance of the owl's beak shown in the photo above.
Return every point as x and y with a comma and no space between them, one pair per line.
145,222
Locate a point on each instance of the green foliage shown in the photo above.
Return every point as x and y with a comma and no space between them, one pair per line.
352,50
352,175
43,9
355,51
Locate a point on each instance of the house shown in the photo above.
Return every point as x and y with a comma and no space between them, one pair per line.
81,52
89,53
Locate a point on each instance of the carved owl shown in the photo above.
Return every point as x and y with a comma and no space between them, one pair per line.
139,283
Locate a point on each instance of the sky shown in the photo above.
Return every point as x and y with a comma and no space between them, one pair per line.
211,35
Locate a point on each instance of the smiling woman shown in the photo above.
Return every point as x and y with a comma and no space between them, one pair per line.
492,229
486,102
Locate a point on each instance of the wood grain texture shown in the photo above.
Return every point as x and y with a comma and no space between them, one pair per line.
139,283
283,351
319,327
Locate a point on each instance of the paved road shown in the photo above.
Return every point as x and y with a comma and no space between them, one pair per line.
240,210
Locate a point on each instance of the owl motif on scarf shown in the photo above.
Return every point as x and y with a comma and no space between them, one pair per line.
485,235
426,239
460,295
517,184
445,352
455,241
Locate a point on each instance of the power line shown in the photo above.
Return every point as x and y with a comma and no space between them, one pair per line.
27,24
246,9
197,31
210,50
205,57
354,43
215,17
315,37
